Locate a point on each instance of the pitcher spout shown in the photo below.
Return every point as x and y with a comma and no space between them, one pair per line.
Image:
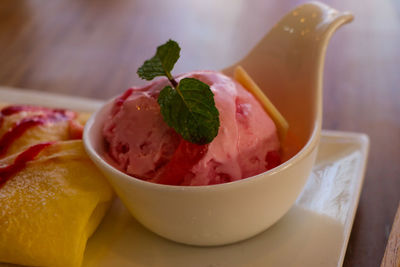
288,64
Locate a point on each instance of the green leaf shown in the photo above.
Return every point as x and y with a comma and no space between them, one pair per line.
162,63
190,107
190,110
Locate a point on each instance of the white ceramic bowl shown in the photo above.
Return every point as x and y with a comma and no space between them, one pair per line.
227,213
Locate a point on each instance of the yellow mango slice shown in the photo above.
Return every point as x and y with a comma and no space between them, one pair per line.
241,76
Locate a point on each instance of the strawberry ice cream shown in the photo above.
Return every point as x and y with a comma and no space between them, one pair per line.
142,145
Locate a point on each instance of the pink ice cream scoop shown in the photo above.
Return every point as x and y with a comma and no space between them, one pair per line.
142,145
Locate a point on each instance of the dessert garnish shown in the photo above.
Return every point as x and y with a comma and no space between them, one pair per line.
247,82
188,106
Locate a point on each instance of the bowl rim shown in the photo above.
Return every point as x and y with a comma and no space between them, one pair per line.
311,144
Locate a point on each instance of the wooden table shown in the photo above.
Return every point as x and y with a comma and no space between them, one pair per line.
92,48
392,252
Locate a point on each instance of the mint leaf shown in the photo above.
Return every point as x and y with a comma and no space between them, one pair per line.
190,110
161,63
190,107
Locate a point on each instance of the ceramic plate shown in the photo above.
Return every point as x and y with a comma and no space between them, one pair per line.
314,232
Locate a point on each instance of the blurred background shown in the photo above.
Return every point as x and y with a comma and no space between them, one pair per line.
92,48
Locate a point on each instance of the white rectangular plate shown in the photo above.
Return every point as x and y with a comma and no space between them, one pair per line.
314,232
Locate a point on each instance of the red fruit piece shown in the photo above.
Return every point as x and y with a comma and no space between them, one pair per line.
75,130
273,159
185,157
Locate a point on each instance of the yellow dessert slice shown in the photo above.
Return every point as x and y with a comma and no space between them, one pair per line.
55,131
83,117
49,209
247,82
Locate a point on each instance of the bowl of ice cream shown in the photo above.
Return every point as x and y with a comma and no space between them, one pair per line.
235,187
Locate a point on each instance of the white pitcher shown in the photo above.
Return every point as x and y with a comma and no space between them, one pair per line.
288,65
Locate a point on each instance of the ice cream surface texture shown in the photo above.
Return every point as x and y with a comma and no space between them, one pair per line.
142,145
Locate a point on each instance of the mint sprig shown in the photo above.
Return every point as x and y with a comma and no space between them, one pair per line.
189,107
162,63
190,110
